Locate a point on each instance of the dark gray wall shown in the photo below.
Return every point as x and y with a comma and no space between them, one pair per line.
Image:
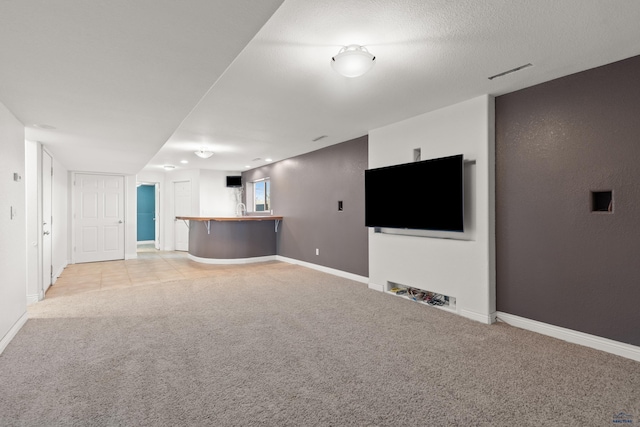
558,262
232,239
306,189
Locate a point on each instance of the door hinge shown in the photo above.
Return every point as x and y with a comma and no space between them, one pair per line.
52,171
52,271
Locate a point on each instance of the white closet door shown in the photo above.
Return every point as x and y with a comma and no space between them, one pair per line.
99,217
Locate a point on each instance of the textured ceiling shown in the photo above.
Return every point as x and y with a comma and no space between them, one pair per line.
280,93
118,79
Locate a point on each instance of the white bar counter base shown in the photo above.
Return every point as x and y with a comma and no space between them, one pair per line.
232,240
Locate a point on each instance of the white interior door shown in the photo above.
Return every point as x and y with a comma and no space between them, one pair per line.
98,217
181,207
47,189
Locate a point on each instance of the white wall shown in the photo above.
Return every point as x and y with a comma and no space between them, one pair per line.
215,198
464,269
13,278
209,196
33,221
130,217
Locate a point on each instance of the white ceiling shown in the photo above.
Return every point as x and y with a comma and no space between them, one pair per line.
118,79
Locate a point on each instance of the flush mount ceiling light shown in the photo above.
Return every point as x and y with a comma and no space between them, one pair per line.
203,154
168,167
353,61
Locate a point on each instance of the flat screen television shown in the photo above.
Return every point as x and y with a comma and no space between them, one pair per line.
234,181
425,195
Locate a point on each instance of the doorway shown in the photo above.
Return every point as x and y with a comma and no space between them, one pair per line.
146,213
148,216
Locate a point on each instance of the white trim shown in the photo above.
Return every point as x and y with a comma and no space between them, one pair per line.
232,260
4,342
376,287
58,273
324,269
145,242
33,298
599,343
478,317
130,256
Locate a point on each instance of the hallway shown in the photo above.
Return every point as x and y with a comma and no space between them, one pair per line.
150,267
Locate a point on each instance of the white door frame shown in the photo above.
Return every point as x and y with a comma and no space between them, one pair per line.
46,224
73,210
158,210
158,217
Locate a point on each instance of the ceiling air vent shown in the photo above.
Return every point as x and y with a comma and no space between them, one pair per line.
504,73
319,138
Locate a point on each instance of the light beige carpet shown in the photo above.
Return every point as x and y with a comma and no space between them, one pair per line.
279,345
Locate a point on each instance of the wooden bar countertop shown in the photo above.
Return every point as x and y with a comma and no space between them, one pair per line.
231,218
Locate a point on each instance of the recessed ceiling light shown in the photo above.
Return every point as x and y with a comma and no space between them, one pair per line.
268,160
247,166
43,126
184,162
168,167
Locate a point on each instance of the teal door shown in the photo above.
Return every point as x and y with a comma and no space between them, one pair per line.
146,213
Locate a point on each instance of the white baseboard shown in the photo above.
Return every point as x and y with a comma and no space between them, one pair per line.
232,261
324,269
376,287
145,242
610,346
4,342
478,317
33,298
58,273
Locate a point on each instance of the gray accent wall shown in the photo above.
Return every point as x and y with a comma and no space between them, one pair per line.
306,190
232,239
557,261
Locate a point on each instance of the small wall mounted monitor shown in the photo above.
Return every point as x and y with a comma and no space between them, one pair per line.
234,181
426,195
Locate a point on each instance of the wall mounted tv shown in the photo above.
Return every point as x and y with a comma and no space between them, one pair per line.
234,181
425,195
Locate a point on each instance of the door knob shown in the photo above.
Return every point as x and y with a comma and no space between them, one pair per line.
120,222
46,233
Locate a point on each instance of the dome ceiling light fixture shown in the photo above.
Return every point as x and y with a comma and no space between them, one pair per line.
203,154
353,61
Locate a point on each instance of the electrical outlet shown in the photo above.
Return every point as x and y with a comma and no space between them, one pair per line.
317,251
